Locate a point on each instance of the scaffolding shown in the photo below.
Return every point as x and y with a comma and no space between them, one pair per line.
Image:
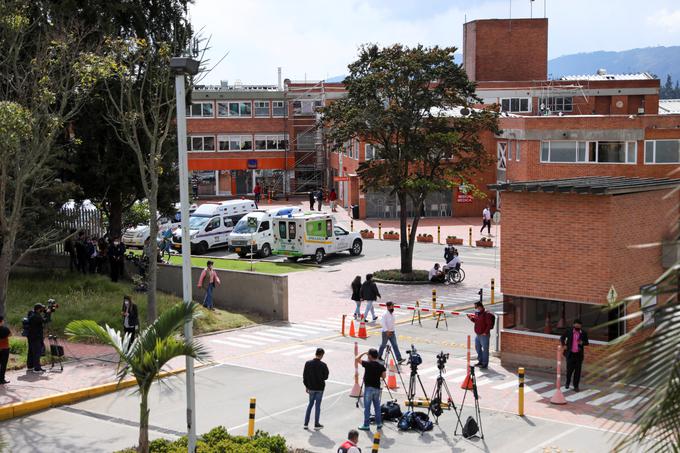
548,90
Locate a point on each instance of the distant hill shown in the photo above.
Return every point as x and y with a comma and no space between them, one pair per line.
659,61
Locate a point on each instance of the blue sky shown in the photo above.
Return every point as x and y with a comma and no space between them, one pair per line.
316,39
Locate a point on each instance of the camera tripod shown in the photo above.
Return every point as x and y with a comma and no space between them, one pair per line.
435,406
388,353
478,413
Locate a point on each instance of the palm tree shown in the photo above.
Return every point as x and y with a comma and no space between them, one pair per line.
652,365
144,358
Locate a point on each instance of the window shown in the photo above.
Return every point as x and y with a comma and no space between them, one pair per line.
264,226
213,225
662,151
305,140
235,109
509,151
307,107
291,230
270,142
517,148
226,221
501,149
201,143
200,110
570,151
234,142
282,229
557,104
356,149
369,152
261,108
279,108
516,104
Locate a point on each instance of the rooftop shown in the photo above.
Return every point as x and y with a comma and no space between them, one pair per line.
602,75
669,106
597,185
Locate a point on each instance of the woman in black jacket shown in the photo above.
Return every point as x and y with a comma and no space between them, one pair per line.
356,295
130,318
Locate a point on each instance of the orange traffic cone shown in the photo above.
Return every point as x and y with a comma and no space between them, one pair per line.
392,377
351,329
362,330
467,382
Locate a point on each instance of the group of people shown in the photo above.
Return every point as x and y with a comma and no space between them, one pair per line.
316,197
364,292
438,274
90,254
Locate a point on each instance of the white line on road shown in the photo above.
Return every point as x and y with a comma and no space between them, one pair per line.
262,338
231,343
550,441
255,342
289,348
537,386
630,403
313,327
298,330
512,383
607,399
299,351
271,334
582,395
550,393
287,333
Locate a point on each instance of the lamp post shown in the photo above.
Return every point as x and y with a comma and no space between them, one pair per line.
183,66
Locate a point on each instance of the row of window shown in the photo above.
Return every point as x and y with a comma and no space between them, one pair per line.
251,109
610,152
523,104
198,143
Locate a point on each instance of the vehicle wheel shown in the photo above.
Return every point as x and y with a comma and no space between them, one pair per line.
242,254
202,248
265,251
292,259
357,246
461,275
318,256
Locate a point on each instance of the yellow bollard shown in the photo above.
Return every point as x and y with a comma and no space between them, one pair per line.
376,442
439,234
380,231
351,225
251,418
470,237
408,230
434,299
493,291
520,400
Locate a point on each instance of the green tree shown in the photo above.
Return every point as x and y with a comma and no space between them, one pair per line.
400,99
146,356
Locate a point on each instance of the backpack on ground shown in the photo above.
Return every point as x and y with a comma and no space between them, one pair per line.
470,428
421,422
390,411
405,421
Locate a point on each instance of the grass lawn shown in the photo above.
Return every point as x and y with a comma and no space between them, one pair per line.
96,297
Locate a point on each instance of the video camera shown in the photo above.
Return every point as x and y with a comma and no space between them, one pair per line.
414,358
51,307
441,360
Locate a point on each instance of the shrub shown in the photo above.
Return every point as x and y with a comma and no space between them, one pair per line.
451,237
397,276
18,346
365,231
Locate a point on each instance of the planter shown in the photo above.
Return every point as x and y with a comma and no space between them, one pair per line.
456,241
484,243
390,237
367,234
424,239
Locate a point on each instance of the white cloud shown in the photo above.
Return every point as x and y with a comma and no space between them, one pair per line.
667,20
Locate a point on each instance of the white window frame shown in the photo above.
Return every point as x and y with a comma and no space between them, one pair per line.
283,106
270,137
316,103
546,103
368,146
254,109
501,156
190,144
232,138
229,115
212,109
528,99
628,143
654,162
518,148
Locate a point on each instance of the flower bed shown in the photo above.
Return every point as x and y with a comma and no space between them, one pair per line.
391,236
367,234
484,242
424,238
453,240
395,276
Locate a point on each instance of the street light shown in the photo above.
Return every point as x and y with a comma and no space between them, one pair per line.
183,66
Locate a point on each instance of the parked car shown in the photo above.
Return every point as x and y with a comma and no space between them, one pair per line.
254,232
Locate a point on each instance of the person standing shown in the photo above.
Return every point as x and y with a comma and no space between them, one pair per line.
486,220
70,248
4,350
319,198
356,295
257,191
374,371
483,324
314,377
332,197
212,281
350,445
91,248
369,292
573,342
102,255
194,185
130,318
81,252
116,255
389,333
312,199
36,338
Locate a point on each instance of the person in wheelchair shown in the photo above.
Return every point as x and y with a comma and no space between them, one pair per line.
452,270
436,275
454,263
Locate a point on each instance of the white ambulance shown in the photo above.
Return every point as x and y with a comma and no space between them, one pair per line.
211,224
314,235
254,232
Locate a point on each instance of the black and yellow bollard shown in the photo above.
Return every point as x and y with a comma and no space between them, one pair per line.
439,234
351,225
251,418
434,299
520,395
376,442
470,237
380,231
493,291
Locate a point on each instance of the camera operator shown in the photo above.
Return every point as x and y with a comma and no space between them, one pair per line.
36,337
374,372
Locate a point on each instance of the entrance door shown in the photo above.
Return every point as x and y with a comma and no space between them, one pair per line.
242,182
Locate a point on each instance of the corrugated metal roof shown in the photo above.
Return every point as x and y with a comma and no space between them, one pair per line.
594,185
632,76
669,106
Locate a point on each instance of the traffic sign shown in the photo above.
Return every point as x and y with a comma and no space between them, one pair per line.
612,295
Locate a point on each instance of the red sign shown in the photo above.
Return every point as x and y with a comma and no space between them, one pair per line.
340,178
464,198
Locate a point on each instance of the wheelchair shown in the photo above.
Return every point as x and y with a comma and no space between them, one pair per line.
455,275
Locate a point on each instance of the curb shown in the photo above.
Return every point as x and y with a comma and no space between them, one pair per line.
21,409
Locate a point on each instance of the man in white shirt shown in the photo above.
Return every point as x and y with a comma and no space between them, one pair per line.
486,220
435,275
388,333
454,263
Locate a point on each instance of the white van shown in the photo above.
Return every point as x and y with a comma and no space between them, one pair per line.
136,236
253,233
211,224
312,234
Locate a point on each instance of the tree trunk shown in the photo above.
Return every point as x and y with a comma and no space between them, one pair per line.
153,261
5,267
406,257
143,446
115,213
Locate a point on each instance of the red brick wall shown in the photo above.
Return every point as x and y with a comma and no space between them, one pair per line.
507,49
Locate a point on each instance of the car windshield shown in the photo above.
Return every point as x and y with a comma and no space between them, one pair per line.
196,223
242,227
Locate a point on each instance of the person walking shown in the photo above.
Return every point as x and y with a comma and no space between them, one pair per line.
5,333
116,255
369,292
332,197
486,220
257,191
314,377
350,445
312,199
212,281
483,324
36,338
319,198
573,342
130,318
374,371
356,295
389,333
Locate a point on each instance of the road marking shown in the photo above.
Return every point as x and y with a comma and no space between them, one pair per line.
630,403
543,443
307,356
454,372
313,327
289,348
485,381
231,343
299,329
582,395
513,383
607,399
255,342
271,334
288,334
300,351
549,394
427,371
259,337
537,386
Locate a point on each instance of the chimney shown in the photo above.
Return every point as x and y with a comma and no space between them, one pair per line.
279,74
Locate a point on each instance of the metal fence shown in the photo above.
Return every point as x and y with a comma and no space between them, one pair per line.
88,220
